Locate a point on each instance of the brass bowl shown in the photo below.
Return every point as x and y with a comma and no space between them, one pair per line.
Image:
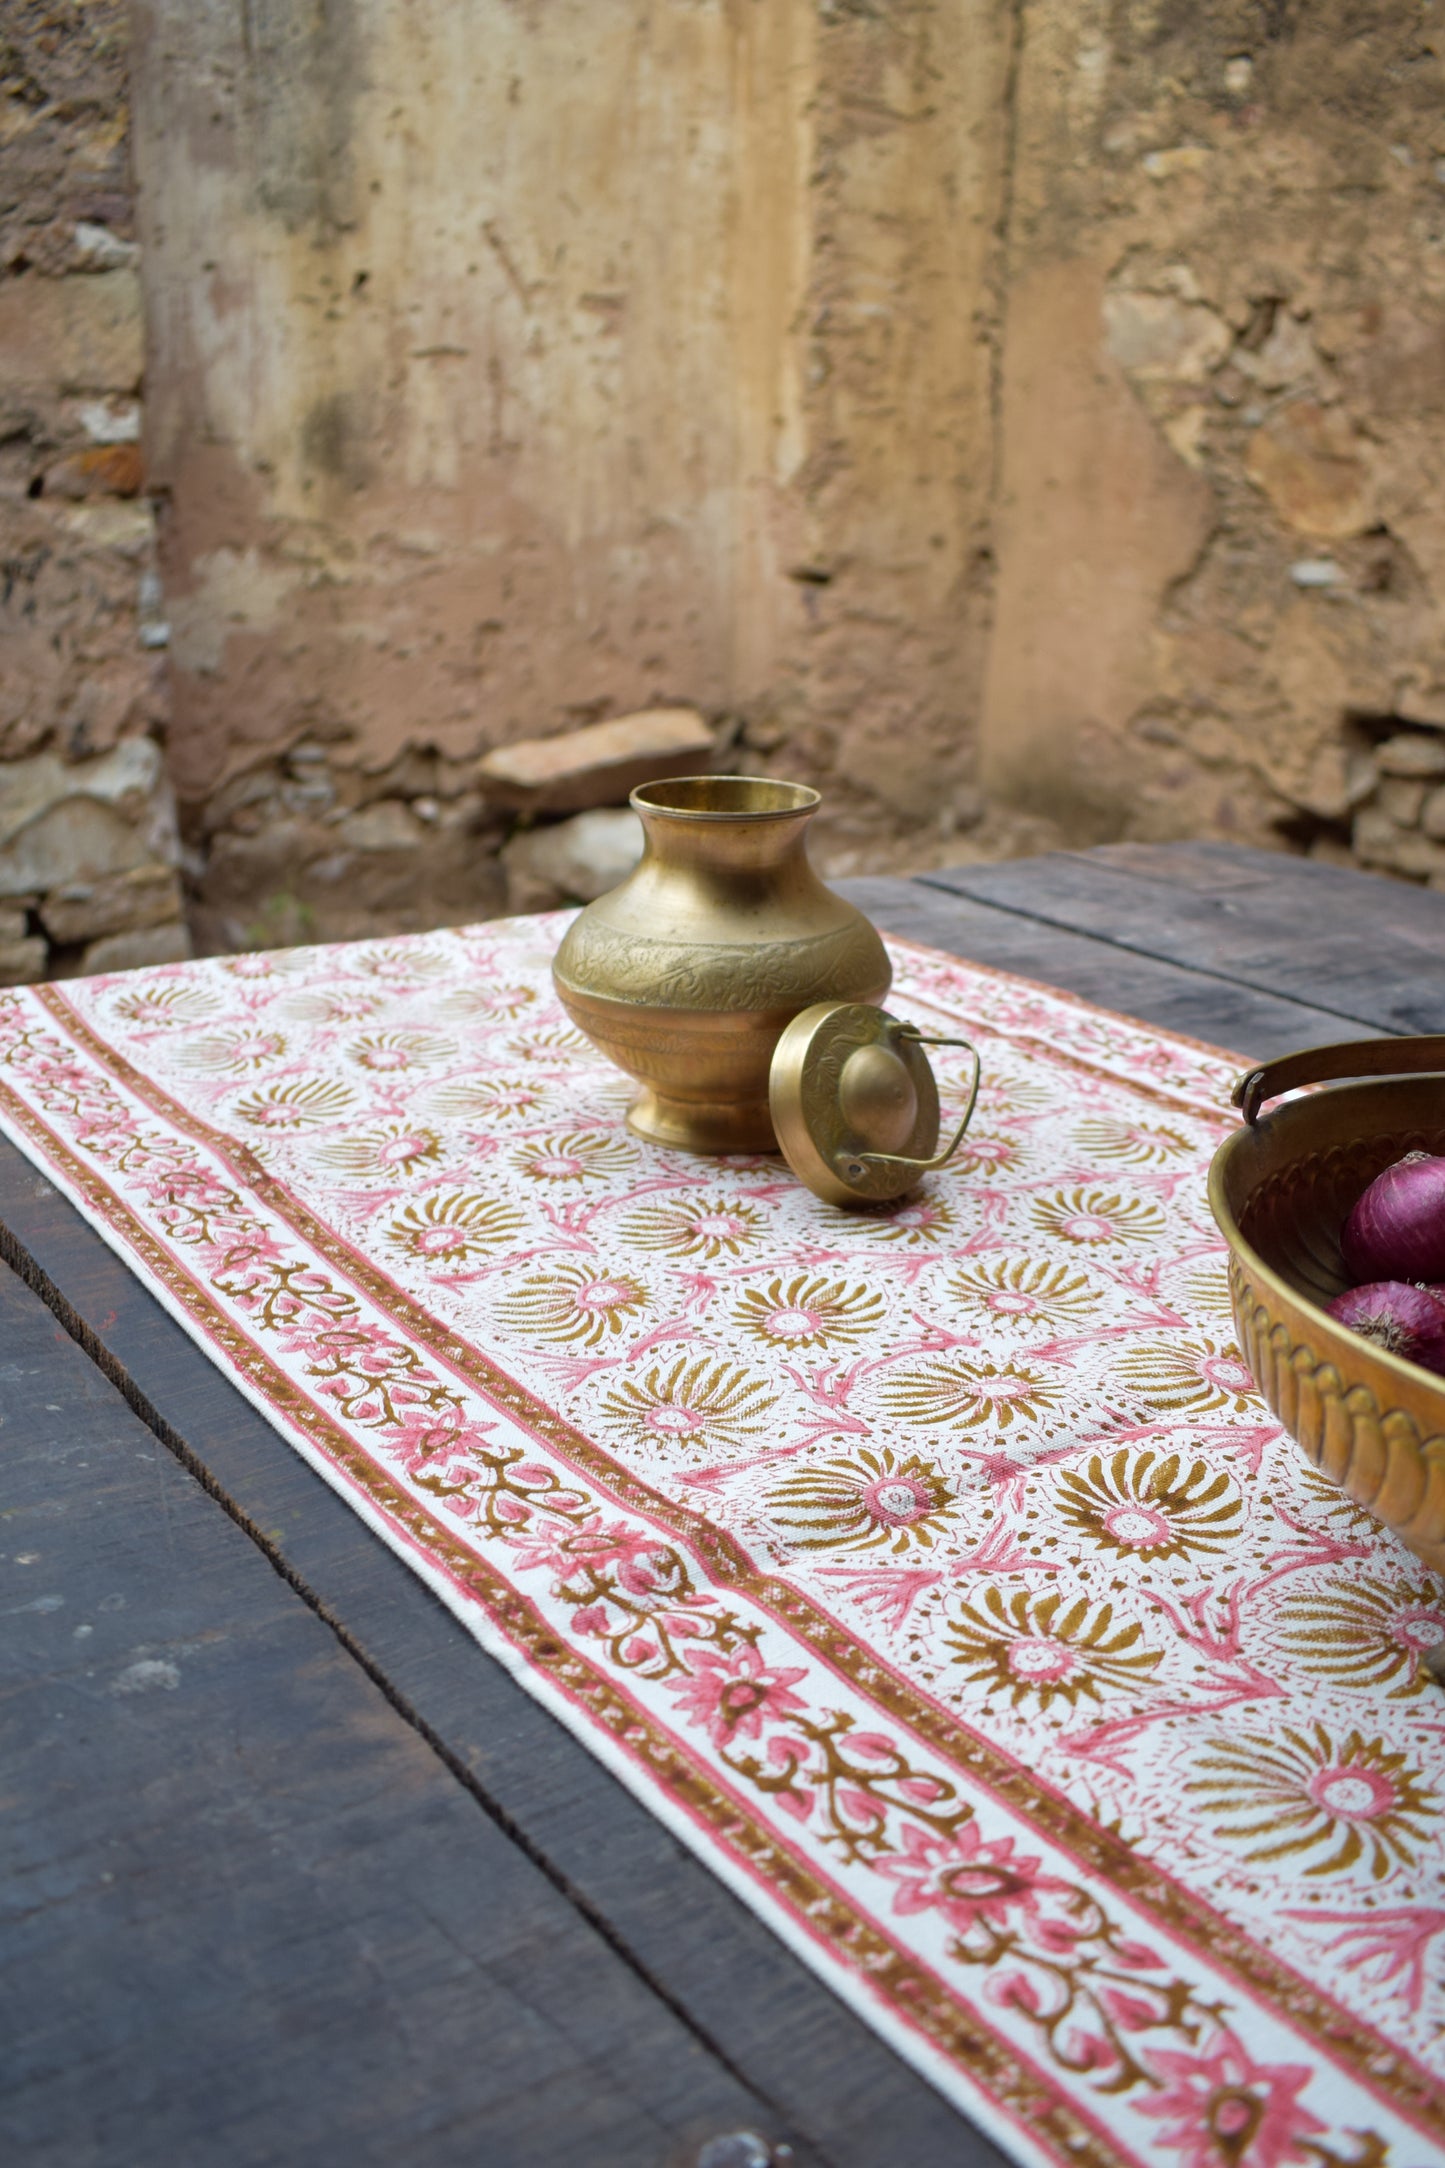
1281,1189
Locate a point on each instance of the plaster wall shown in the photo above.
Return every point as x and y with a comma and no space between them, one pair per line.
517,365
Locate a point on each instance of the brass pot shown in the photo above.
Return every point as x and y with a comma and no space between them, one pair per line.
687,974
1280,1189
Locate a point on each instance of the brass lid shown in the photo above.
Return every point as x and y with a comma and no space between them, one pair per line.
854,1102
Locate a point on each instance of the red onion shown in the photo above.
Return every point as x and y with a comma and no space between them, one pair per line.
1397,1230
1402,1319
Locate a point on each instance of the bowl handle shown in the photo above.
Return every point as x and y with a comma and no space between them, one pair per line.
1326,1064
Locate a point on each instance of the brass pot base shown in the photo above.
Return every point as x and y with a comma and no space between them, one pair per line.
701,1125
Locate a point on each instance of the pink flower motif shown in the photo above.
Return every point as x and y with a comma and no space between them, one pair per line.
632,1553
1221,2110
966,1877
732,1695
540,1549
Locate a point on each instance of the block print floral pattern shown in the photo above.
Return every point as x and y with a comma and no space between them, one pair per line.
932,1569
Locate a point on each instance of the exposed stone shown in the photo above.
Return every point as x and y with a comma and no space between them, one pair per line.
1378,842
1160,336
78,839
169,944
32,787
1409,755
12,925
1420,700
83,911
1432,815
103,470
1311,465
388,825
296,879
578,859
70,335
1401,800
599,765
22,961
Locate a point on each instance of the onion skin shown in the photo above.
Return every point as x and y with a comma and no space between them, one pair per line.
1402,1319
1397,1229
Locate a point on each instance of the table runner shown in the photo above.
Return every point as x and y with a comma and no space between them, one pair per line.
932,1571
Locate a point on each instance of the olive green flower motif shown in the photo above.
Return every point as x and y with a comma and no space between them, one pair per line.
488,1099
1010,1095
246,1046
697,1405
474,1004
381,1151
989,1153
1189,1377
1141,1503
387,1053
302,1103
453,1228
709,1227
550,1045
1024,1291
966,1393
1106,1137
870,1499
580,1155
400,963
1365,1632
918,1223
173,1001
808,1313
1326,1497
1204,1294
333,1005
1099,1217
1047,1648
570,1303
1300,1796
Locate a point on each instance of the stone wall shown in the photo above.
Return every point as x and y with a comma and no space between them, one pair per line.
88,846
1221,526
1021,417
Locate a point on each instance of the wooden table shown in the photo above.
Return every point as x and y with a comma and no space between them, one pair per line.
293,1873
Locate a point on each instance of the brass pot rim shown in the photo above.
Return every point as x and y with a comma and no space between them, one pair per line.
732,793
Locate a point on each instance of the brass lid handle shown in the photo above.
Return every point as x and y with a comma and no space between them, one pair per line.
855,1162
855,1103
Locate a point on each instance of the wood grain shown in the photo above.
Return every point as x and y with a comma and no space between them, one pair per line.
1368,950
1239,1019
251,1916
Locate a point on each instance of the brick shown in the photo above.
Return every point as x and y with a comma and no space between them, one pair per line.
597,766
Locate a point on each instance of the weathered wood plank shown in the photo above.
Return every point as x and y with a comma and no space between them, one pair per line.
825,2073
1241,1019
250,1915
1369,950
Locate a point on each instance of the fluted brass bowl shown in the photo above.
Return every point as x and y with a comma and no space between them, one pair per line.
1281,1189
